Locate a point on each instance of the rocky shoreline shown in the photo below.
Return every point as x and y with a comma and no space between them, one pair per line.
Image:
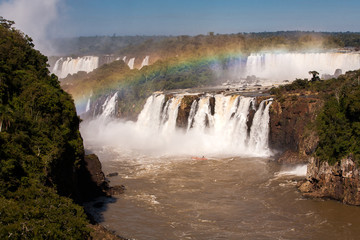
339,182
94,184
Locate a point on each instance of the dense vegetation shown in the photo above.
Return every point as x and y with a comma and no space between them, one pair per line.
41,146
98,45
154,45
338,123
188,61
134,86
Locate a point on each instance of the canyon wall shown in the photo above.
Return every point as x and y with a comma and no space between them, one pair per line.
339,182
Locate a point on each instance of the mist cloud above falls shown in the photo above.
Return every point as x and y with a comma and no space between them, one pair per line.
34,18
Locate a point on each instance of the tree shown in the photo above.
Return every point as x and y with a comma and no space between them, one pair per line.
315,76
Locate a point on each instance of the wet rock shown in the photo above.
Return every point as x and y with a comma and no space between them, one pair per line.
339,182
116,190
184,110
289,121
292,157
92,182
100,232
114,174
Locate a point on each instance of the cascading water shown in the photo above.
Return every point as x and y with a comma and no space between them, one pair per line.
281,66
69,65
260,128
223,130
203,117
213,125
109,107
88,105
145,62
150,116
275,67
169,115
131,63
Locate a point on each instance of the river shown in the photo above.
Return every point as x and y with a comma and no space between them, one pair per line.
238,192
217,198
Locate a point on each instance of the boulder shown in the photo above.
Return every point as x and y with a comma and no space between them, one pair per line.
339,182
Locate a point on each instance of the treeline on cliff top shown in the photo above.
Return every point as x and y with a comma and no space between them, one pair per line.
40,143
185,61
159,45
338,122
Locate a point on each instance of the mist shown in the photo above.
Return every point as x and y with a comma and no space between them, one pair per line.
129,137
35,18
155,132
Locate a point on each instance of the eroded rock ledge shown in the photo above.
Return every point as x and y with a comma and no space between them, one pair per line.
339,182
92,182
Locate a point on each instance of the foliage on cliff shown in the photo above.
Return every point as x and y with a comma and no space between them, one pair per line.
167,46
41,145
134,86
338,122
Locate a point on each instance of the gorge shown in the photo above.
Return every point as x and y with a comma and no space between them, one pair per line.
238,134
208,145
239,189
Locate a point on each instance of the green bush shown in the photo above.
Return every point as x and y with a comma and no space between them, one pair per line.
37,212
40,148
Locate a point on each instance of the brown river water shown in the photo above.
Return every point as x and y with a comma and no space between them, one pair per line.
218,198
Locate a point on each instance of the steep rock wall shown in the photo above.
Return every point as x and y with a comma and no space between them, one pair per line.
291,121
340,182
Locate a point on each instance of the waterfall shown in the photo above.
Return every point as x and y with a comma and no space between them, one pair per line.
203,117
109,106
87,106
169,115
275,67
69,65
131,63
219,128
260,128
282,66
150,116
145,62
193,110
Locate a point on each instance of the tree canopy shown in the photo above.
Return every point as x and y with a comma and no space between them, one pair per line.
40,148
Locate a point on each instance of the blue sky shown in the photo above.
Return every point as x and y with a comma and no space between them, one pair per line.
170,17
124,17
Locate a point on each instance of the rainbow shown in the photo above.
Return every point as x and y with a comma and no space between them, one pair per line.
274,66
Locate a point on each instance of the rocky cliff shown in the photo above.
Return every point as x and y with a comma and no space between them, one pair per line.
340,181
291,132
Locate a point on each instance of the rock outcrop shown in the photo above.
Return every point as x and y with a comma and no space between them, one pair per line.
92,182
290,127
339,182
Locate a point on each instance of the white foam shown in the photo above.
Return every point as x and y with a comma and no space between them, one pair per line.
299,170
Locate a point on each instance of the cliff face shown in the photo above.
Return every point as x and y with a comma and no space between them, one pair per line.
340,182
290,127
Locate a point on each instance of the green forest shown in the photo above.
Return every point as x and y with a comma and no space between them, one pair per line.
41,146
185,44
338,122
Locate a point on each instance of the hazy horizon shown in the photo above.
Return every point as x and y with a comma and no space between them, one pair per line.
49,19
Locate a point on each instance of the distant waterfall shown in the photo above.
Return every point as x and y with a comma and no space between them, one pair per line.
275,67
131,63
281,66
225,127
88,105
109,106
69,65
145,62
